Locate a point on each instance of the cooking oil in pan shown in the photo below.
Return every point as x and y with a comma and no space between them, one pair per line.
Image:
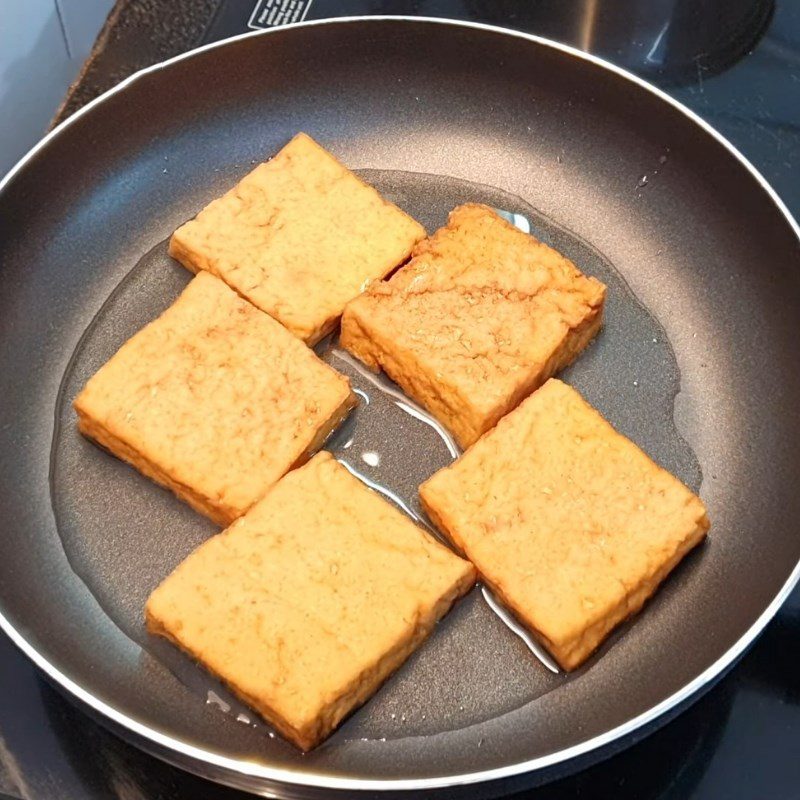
347,446
123,534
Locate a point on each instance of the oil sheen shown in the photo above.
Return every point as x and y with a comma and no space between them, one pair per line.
122,534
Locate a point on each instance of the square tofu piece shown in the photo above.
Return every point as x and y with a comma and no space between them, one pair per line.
214,400
298,237
481,316
306,604
570,523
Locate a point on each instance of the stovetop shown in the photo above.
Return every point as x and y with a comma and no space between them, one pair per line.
734,62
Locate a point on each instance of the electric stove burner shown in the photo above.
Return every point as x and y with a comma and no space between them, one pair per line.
669,41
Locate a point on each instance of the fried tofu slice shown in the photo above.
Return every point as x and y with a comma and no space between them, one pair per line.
569,522
481,316
298,237
214,400
306,604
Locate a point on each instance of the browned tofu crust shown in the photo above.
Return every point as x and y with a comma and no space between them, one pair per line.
482,315
298,237
214,400
306,604
569,522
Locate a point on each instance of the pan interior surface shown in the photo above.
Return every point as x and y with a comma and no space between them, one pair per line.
705,294
123,535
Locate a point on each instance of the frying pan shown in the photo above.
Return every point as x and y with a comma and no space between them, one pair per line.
699,362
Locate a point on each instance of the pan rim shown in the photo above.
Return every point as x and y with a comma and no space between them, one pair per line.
182,752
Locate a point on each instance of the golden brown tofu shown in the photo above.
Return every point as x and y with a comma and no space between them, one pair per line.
298,237
569,522
214,400
481,316
306,604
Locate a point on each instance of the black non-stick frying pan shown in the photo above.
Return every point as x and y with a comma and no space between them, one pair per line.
699,362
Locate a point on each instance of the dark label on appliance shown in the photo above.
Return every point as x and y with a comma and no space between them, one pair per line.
271,13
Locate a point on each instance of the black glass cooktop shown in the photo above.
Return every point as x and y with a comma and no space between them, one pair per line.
734,62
